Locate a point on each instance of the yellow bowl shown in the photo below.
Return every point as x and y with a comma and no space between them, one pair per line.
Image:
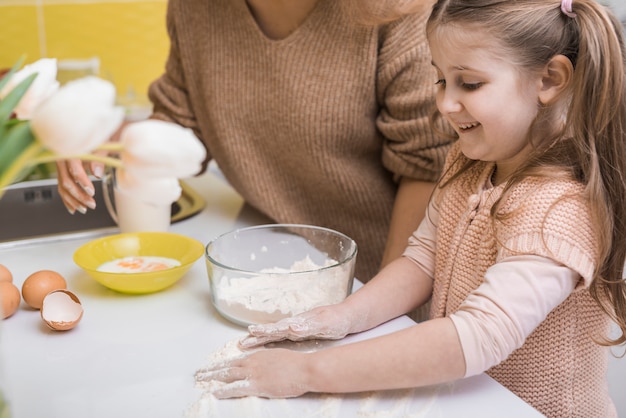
159,244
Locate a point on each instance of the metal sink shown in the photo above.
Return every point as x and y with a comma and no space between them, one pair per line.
32,212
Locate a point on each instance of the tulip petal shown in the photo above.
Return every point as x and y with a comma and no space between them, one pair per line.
156,148
78,118
44,86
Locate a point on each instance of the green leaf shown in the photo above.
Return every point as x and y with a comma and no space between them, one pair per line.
5,79
13,98
6,126
41,171
16,170
16,140
23,174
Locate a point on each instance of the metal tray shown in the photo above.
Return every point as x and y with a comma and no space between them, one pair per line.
32,212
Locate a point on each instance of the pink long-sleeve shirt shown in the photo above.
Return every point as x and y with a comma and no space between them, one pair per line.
496,318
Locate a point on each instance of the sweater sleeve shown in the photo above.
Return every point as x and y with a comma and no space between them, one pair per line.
406,93
551,219
517,295
168,93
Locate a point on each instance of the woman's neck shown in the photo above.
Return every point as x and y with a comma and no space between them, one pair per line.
279,18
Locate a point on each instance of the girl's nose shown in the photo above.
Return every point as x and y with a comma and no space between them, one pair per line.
448,102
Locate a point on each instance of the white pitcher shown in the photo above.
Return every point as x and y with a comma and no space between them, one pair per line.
131,214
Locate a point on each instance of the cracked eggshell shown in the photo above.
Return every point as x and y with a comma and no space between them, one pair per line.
61,310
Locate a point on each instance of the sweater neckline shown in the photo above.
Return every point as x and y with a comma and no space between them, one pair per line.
486,178
310,21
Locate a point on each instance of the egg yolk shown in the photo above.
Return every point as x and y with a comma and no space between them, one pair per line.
138,264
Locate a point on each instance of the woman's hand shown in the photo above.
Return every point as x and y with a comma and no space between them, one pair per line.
331,322
268,373
74,185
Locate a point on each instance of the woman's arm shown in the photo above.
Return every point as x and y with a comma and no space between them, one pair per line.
412,150
168,95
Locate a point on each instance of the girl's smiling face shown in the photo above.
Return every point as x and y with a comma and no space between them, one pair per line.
486,99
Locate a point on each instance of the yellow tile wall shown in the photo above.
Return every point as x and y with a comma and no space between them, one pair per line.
129,37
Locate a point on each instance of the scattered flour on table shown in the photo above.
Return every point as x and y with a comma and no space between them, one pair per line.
228,352
272,295
383,404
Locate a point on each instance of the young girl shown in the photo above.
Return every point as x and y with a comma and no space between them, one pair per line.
522,250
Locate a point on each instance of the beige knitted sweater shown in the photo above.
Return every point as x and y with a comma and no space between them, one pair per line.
559,369
315,128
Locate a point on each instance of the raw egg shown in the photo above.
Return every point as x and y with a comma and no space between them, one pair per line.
9,298
39,284
5,274
61,310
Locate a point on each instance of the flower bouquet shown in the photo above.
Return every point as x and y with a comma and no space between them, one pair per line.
43,122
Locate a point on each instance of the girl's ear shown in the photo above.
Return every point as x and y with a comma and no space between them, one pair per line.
555,78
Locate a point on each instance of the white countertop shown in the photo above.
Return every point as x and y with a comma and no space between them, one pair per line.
135,356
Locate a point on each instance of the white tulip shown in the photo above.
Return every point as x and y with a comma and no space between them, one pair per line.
44,85
78,118
157,191
154,148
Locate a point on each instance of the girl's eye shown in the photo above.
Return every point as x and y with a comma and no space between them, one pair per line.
441,82
471,86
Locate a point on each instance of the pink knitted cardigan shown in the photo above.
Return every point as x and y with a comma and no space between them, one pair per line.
559,369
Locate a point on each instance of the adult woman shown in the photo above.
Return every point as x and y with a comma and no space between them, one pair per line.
312,117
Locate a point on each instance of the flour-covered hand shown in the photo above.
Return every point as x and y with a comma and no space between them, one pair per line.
326,322
270,373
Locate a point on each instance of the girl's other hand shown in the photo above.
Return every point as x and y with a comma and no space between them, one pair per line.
268,373
326,322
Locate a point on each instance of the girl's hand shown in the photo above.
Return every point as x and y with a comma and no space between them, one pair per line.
268,373
326,322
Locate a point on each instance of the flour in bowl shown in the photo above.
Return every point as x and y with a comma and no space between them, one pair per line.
274,295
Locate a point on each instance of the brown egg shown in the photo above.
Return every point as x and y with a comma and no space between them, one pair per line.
5,274
61,310
39,284
9,298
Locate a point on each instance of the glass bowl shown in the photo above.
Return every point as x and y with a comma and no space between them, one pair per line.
265,273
